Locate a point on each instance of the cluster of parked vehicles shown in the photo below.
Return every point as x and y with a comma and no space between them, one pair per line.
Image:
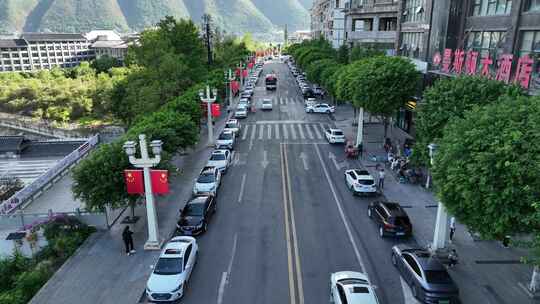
242,110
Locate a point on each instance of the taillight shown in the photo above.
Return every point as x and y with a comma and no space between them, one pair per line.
388,225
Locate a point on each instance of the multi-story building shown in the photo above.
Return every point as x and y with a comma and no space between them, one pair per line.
37,51
299,36
372,23
328,21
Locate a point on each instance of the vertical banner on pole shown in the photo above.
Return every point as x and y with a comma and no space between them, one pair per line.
134,181
160,181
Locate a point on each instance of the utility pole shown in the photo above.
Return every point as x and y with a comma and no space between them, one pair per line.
206,21
285,37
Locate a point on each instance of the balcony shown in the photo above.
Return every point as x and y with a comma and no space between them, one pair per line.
373,36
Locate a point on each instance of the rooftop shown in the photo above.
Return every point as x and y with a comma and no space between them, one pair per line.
52,37
115,44
12,43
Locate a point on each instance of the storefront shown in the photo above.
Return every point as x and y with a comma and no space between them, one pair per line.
405,117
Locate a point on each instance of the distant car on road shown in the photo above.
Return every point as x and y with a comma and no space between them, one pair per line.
233,125
266,104
320,108
208,181
426,275
334,136
196,214
172,270
241,112
220,159
359,181
350,287
391,219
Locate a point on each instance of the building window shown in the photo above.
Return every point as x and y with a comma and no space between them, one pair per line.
411,43
486,43
530,45
532,6
387,24
491,7
414,11
363,25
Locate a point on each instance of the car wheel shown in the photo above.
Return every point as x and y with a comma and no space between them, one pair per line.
205,227
311,111
394,259
369,213
381,232
327,111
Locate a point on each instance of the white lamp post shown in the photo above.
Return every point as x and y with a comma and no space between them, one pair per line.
360,129
230,79
441,222
145,162
209,100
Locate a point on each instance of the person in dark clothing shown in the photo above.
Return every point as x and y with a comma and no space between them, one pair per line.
128,240
452,258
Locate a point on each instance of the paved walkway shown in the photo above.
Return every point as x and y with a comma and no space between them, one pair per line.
100,272
487,272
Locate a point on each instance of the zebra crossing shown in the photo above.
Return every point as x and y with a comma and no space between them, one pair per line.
286,100
284,131
26,170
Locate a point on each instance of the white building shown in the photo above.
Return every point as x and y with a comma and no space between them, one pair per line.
328,21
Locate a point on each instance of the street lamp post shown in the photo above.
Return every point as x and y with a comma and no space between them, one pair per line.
231,78
360,129
209,100
441,222
154,242
241,67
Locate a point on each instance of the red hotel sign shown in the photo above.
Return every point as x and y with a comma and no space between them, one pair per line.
466,63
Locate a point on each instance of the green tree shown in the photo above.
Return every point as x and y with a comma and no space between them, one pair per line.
447,100
105,63
343,54
363,52
488,169
383,84
314,70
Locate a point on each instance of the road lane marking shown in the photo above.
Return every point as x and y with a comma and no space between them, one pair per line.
293,132
269,132
253,133
221,290
341,213
309,133
277,131
292,289
303,157
242,185
285,132
265,161
301,132
225,276
317,133
261,132
245,132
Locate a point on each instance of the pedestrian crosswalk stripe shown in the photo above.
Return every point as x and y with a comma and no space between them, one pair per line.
277,131
301,132
293,132
309,133
285,132
317,133
269,131
246,132
281,101
253,133
261,133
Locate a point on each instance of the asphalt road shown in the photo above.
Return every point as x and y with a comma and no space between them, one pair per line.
285,219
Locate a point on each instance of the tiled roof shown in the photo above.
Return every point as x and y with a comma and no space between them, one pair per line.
11,143
12,43
52,37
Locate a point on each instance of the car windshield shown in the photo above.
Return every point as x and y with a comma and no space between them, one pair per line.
438,277
225,136
168,266
338,133
401,221
218,156
230,125
194,210
266,101
352,281
206,178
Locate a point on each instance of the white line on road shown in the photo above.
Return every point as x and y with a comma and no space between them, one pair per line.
245,132
285,132
221,290
293,132
253,133
303,156
227,274
309,133
277,131
265,161
242,185
261,132
341,213
315,127
269,132
301,132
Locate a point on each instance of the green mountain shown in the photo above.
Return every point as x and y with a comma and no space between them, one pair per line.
233,16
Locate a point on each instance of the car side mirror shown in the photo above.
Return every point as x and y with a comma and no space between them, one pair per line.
152,267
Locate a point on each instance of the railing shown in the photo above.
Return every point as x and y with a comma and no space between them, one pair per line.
38,126
28,192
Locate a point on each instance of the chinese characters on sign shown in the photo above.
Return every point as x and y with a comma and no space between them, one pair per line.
461,62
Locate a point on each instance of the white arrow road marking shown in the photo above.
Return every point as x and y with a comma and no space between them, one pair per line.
242,185
265,162
407,293
338,165
303,156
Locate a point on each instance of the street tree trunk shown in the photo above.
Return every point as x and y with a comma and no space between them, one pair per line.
385,122
534,285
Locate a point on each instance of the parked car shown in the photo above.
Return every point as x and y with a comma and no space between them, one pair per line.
196,214
359,181
391,219
220,159
334,136
349,287
266,104
226,140
172,270
208,181
426,275
320,108
234,126
310,101
241,112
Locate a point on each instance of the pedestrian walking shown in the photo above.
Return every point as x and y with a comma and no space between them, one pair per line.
452,258
127,236
452,228
381,178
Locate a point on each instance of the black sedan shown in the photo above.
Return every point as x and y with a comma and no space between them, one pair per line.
391,219
194,217
429,281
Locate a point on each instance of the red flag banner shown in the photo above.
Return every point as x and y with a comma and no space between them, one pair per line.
216,109
134,181
160,181
250,65
235,86
237,72
245,73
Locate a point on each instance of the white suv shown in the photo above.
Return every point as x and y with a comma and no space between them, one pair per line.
334,136
359,181
208,181
225,140
349,287
233,125
173,270
220,159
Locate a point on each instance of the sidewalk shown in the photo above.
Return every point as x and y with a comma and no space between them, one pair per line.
100,271
487,272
